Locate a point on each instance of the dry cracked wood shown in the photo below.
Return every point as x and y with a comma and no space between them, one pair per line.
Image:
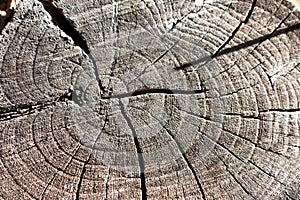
150,99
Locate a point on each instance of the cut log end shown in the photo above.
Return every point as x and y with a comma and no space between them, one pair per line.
150,100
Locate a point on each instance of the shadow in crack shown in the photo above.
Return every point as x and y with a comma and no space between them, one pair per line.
204,60
6,18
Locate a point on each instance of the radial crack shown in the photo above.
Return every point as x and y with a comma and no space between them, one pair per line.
259,39
245,21
230,152
292,110
81,177
181,150
146,90
29,108
204,60
64,24
80,180
235,178
139,151
67,26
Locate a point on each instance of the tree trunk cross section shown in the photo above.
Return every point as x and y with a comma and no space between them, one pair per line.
150,100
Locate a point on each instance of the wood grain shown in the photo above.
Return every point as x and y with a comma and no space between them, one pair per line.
150,99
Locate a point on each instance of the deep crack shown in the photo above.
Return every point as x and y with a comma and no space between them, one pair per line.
8,113
59,19
4,20
146,90
259,40
139,151
245,21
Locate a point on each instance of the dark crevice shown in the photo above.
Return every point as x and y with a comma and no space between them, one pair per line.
144,91
190,166
178,21
259,40
81,177
20,110
4,20
269,77
281,110
245,21
242,46
100,85
107,185
80,181
139,151
204,60
237,90
5,5
9,113
182,151
288,197
242,116
65,24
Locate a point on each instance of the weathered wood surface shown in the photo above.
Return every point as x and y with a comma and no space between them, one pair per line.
141,101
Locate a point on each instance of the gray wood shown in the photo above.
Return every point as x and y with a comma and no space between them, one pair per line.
150,100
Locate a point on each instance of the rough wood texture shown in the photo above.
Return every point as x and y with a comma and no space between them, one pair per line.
150,100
